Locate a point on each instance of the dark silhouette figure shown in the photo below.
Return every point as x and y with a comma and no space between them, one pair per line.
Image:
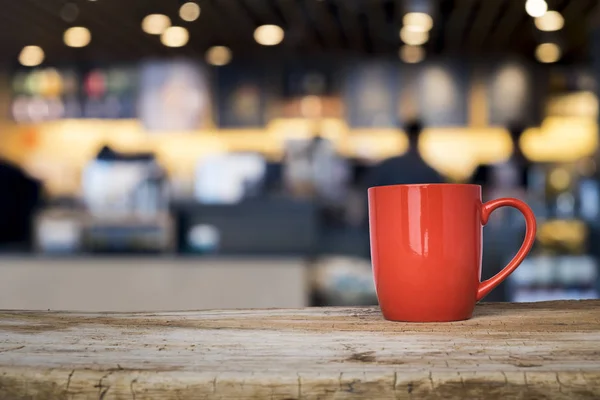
408,168
484,173
19,198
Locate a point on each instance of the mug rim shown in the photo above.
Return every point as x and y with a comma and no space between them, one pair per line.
424,185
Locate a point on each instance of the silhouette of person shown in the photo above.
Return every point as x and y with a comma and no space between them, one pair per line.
509,177
408,168
19,197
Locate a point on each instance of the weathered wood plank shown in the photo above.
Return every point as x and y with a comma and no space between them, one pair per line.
541,350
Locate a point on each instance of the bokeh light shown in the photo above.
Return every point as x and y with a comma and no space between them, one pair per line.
175,36
268,35
77,36
155,24
218,55
411,54
31,56
189,11
414,38
548,52
550,22
417,21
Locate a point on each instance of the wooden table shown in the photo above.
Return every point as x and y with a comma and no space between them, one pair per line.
541,350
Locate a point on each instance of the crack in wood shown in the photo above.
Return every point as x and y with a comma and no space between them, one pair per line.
12,349
132,389
69,380
102,390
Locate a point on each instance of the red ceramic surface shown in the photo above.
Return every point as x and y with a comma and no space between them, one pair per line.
426,249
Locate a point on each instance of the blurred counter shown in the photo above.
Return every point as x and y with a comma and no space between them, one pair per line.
159,283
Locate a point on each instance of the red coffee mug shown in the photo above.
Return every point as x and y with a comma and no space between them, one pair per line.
426,249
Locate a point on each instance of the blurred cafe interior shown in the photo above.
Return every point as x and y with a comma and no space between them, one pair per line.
170,154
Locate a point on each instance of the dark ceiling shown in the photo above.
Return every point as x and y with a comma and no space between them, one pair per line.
313,27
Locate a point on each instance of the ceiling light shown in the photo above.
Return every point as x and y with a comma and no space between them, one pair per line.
550,22
418,21
31,56
189,12
412,37
77,36
536,8
218,55
411,54
155,24
548,52
268,35
175,36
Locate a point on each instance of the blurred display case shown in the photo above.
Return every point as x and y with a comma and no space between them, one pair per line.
548,277
65,231
564,264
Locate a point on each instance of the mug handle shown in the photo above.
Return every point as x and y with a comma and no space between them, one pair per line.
487,286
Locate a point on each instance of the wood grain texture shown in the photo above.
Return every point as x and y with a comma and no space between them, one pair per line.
540,350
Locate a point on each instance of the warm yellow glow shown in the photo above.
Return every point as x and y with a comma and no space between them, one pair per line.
560,179
180,153
155,24
282,129
175,36
561,139
376,144
578,104
536,8
334,129
456,152
50,83
268,35
412,54
189,11
31,56
218,55
453,151
548,53
550,22
77,36
181,150
417,21
311,107
414,38
569,233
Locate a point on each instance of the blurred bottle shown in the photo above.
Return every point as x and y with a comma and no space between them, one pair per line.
152,192
312,168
